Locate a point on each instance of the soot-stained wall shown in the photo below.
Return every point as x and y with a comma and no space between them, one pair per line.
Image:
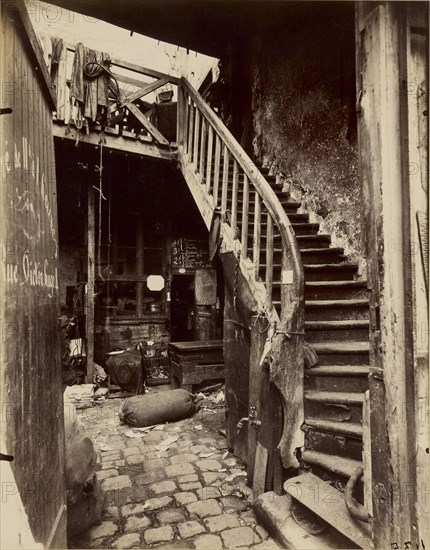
303,100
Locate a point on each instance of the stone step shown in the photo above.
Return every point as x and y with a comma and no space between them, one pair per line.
329,506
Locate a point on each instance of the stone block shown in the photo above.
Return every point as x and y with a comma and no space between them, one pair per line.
150,477
185,498
104,529
190,486
190,529
157,503
208,542
234,504
104,474
132,540
240,536
204,508
136,523
172,515
219,523
175,470
181,458
159,534
161,487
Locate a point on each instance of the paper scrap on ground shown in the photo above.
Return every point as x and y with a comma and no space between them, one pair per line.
234,476
164,445
131,433
205,455
198,427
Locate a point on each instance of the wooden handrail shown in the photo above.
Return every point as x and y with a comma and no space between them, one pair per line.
224,139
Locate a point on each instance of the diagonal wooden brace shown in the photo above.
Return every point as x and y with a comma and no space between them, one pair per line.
147,124
138,94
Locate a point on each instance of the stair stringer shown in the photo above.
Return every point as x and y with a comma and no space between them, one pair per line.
285,340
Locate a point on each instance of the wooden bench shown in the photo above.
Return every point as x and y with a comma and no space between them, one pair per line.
192,363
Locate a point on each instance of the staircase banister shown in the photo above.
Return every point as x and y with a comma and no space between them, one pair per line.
267,194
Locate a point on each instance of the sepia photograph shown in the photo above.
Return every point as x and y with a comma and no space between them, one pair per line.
214,274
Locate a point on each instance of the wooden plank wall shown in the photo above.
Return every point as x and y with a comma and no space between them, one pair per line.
30,380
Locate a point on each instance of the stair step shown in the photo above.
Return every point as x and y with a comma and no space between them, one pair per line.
347,329
338,370
288,204
335,444
315,257
317,290
330,310
337,378
341,466
349,429
347,352
335,397
328,272
302,228
274,514
330,506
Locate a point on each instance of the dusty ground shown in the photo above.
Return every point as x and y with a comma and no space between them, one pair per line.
192,494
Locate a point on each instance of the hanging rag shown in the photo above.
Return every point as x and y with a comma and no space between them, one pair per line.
57,46
89,85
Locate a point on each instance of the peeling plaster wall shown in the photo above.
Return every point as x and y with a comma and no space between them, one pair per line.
303,86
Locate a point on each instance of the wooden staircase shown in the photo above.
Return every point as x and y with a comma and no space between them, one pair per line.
329,304
337,328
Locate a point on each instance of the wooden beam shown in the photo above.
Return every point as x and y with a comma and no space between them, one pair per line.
41,69
139,266
141,92
148,125
145,71
136,145
136,68
89,317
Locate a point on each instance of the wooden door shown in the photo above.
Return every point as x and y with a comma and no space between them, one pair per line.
30,373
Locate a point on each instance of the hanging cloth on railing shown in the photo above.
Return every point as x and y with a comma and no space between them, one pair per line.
89,86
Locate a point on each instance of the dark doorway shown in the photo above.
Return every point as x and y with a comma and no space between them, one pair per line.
182,308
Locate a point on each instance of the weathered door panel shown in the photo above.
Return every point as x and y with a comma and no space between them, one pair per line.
31,386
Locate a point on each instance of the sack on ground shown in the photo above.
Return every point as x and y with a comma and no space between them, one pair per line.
125,369
157,408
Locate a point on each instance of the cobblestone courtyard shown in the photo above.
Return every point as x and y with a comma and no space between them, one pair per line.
178,487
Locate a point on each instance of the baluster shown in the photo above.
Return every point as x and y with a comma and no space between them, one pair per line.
209,159
202,149
234,199
257,234
180,119
224,190
269,258
190,131
195,157
217,168
245,216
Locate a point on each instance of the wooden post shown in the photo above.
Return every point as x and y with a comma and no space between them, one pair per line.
91,248
139,266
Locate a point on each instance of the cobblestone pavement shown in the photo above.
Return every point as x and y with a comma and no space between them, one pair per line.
192,494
